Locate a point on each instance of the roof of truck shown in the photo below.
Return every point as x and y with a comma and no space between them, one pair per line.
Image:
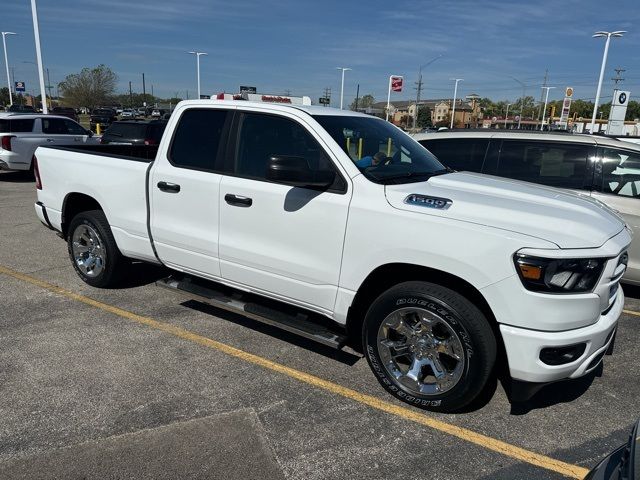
310,109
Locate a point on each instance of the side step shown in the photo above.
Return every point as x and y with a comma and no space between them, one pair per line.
300,322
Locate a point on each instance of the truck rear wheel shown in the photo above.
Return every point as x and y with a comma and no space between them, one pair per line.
93,250
429,346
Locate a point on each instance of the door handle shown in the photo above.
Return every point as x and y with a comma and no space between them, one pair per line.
237,200
50,140
169,187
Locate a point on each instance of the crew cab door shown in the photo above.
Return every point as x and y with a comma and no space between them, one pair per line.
275,239
184,190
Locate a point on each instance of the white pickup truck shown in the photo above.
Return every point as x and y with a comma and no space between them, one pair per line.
341,228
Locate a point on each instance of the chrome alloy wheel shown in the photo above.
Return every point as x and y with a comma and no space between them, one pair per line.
421,351
88,251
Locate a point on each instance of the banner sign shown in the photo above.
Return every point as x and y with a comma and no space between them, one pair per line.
245,89
396,84
615,126
20,87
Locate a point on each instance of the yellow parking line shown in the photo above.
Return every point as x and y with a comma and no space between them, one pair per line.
631,312
566,469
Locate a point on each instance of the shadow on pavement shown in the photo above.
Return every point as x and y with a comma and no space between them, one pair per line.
17,177
560,392
631,291
339,355
141,273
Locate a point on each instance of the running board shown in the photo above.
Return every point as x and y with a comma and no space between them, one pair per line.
305,324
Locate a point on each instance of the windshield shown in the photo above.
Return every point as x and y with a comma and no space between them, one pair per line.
382,152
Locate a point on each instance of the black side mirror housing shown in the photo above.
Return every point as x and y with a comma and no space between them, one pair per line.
295,171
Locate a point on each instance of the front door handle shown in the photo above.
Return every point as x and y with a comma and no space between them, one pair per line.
169,187
50,140
237,200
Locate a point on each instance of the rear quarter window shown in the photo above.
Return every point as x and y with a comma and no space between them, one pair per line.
16,125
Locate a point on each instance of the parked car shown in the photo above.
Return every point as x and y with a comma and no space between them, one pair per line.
141,112
275,213
158,112
134,133
15,108
21,134
102,116
65,112
603,168
623,463
128,113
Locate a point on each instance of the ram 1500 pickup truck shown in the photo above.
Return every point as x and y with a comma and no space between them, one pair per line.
340,227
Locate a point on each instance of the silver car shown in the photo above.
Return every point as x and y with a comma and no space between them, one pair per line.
604,168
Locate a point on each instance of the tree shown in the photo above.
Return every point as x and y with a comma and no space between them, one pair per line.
4,96
424,117
363,102
91,87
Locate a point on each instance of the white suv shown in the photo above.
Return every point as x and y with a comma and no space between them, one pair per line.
20,135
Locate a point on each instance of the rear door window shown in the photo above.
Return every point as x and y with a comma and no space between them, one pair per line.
556,164
198,139
463,154
618,172
54,126
74,128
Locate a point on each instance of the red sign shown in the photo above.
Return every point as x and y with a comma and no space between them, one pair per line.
276,99
396,84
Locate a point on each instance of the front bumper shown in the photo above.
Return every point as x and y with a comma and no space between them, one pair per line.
523,347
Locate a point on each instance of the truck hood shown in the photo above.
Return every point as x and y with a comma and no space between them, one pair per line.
567,219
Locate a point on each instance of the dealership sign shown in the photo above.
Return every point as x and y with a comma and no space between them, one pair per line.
396,84
615,126
20,87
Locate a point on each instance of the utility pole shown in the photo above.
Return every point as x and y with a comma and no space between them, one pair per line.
327,94
144,90
49,88
287,93
618,78
357,96
544,85
418,87
130,96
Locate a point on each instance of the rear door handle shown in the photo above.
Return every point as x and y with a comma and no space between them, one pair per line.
50,140
169,187
237,200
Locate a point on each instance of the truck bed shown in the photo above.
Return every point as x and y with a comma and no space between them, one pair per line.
114,175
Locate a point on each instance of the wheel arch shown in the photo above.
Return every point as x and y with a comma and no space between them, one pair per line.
388,275
75,203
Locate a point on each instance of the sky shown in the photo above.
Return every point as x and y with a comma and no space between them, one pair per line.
296,45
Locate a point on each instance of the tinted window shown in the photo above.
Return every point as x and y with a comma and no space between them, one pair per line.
103,111
555,164
74,128
459,154
381,151
197,138
264,136
126,130
155,131
16,125
54,126
620,172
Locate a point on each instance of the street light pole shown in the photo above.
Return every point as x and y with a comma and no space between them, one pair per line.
6,62
344,69
506,115
602,67
544,110
197,54
419,89
521,101
36,33
455,94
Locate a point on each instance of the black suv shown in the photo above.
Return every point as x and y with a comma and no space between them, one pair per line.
103,116
134,133
66,112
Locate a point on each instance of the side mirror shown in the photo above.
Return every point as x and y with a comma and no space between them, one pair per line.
295,171
90,133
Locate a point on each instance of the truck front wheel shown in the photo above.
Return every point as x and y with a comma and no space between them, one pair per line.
429,346
93,250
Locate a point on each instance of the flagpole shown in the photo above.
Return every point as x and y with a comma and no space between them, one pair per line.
389,97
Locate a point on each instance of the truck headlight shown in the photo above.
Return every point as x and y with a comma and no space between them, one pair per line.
559,275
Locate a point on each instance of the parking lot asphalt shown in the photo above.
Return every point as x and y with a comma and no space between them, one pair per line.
139,382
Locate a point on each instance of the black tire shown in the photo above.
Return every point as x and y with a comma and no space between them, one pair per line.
472,330
115,264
